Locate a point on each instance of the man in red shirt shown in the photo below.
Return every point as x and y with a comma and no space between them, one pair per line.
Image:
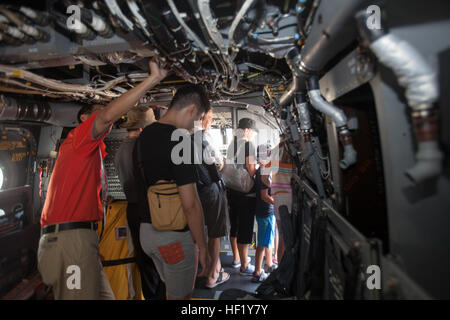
68,255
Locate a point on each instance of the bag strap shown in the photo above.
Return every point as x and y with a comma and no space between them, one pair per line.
140,162
235,149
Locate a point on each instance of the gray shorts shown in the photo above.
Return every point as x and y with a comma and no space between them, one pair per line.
174,256
215,210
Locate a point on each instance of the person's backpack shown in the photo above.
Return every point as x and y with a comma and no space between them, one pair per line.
164,202
207,173
236,178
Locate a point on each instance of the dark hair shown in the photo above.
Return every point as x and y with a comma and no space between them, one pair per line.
247,123
85,109
191,94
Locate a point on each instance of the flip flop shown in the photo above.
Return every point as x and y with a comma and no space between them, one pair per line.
219,280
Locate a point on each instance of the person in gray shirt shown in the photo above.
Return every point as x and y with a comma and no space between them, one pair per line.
137,120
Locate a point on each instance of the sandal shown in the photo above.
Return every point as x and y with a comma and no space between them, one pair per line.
219,280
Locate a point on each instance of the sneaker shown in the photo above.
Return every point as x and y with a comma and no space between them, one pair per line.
271,268
259,278
238,264
247,271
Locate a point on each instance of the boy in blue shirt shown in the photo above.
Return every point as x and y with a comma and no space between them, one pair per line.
264,218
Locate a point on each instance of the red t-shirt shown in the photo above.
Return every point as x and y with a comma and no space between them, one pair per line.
75,184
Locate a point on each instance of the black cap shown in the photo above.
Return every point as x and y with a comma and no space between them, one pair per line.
247,123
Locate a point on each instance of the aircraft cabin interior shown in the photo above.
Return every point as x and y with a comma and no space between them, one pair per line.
355,91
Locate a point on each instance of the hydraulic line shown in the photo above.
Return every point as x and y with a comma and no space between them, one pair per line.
210,23
184,45
242,11
193,36
147,31
59,85
289,39
115,10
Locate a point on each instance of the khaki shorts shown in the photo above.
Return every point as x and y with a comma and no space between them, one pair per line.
69,261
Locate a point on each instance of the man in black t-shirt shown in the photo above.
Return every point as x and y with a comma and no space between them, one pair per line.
174,252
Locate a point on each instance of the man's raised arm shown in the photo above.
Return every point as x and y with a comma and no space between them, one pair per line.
116,108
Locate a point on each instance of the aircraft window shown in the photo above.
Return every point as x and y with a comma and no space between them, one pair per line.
2,213
218,140
1,178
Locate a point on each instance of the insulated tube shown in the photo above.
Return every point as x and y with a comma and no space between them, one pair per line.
338,117
305,126
96,23
303,112
421,91
25,28
37,17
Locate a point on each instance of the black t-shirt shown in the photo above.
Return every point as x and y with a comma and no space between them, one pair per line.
263,209
207,173
156,152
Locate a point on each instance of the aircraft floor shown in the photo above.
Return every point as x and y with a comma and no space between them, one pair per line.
236,281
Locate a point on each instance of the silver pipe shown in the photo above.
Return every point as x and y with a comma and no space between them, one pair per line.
339,118
337,115
247,4
288,95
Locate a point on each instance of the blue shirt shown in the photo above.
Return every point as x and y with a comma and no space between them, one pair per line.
263,209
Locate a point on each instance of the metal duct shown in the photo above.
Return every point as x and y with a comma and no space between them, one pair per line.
333,29
421,90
